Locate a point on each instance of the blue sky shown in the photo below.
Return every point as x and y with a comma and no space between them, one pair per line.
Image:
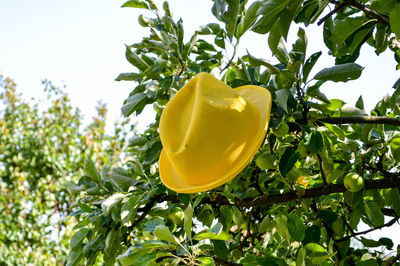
80,44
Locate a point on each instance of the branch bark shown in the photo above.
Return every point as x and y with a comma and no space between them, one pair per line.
361,120
268,200
368,11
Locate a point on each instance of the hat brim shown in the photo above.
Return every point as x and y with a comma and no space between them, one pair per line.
259,97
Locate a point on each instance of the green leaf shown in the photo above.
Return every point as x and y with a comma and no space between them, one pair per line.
370,242
209,235
214,233
78,237
135,60
314,142
152,224
136,4
334,104
309,64
344,72
360,103
91,171
369,262
282,96
255,62
312,234
383,6
125,182
394,20
395,200
317,260
271,8
374,213
131,255
128,210
250,18
112,245
301,256
206,261
134,103
315,247
188,214
220,249
351,111
231,17
287,17
281,227
110,202
253,260
386,242
216,229
313,91
288,159
345,27
162,233
295,227
129,77
74,257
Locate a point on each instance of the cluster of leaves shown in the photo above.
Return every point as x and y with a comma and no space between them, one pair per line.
294,210
42,148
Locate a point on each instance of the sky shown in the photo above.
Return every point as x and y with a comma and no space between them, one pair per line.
80,44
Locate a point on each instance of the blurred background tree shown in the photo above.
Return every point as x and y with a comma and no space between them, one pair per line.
43,147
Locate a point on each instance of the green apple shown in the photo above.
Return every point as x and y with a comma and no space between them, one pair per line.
265,161
177,216
395,148
353,182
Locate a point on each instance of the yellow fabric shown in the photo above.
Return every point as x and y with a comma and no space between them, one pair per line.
210,132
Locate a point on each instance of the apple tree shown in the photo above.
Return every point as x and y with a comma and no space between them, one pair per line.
290,204
43,148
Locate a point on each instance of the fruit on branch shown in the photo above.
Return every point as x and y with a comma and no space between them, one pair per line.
177,216
353,182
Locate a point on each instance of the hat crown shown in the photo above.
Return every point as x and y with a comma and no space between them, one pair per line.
205,129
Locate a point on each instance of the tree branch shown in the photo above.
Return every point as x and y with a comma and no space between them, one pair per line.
388,224
361,120
268,200
369,12
330,14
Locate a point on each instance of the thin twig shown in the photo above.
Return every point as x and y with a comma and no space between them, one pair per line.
330,14
361,120
369,12
233,57
390,223
372,13
393,260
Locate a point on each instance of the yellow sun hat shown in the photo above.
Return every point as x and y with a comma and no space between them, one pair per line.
210,132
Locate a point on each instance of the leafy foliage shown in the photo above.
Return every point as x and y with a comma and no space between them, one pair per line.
297,209
42,151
